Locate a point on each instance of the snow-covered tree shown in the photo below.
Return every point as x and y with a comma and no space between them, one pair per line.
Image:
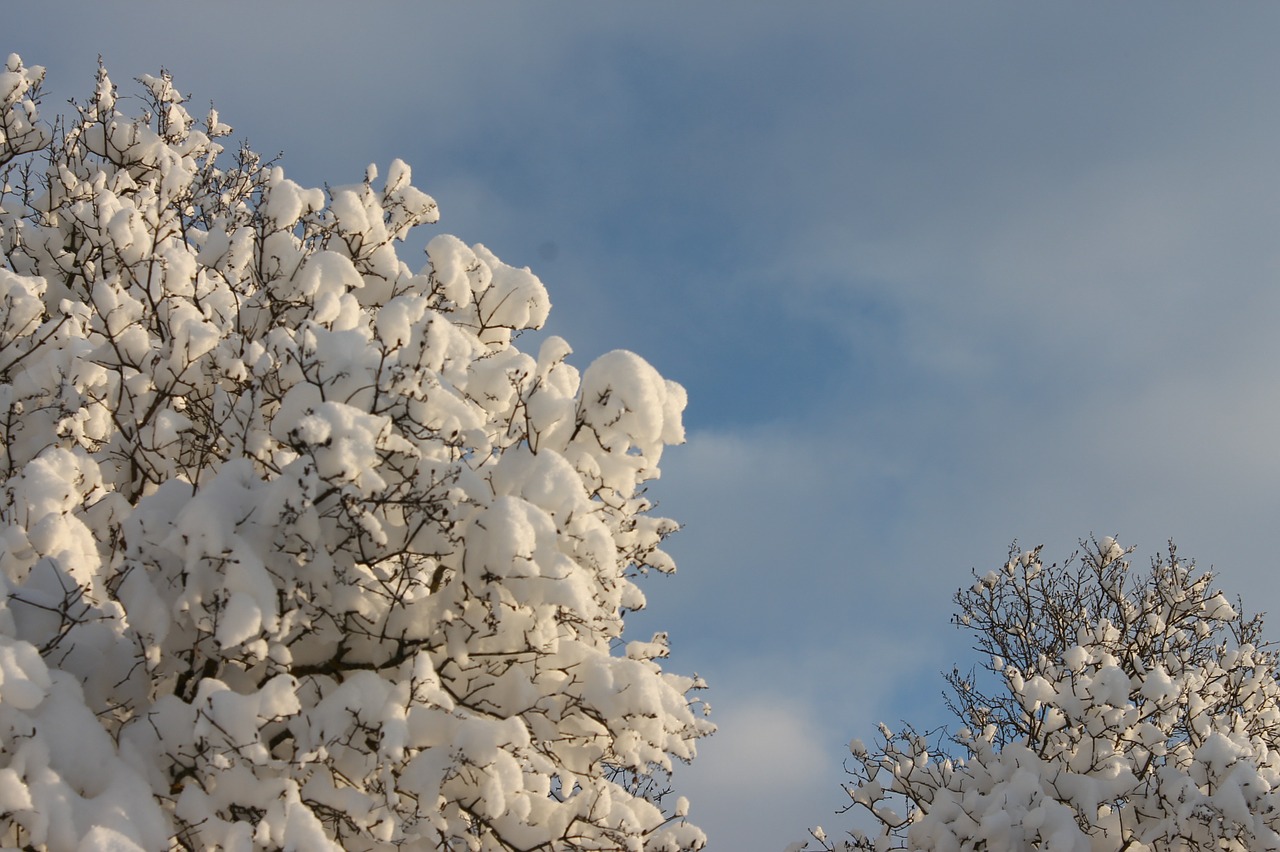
297,549
1116,709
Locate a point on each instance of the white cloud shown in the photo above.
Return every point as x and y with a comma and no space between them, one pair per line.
768,765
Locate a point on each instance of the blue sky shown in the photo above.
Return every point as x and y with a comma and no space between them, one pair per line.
936,276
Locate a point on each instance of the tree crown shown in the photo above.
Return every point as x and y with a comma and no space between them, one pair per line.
297,548
1115,709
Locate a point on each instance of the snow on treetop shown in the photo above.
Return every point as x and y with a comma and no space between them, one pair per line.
298,549
1135,712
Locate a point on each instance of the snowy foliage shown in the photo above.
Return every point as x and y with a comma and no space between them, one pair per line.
297,549
1119,710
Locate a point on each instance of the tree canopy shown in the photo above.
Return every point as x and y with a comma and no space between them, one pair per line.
1115,709
298,550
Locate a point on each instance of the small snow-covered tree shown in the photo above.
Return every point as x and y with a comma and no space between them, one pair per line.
1116,710
297,549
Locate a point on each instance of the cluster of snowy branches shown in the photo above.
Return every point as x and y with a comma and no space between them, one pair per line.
1117,710
297,549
